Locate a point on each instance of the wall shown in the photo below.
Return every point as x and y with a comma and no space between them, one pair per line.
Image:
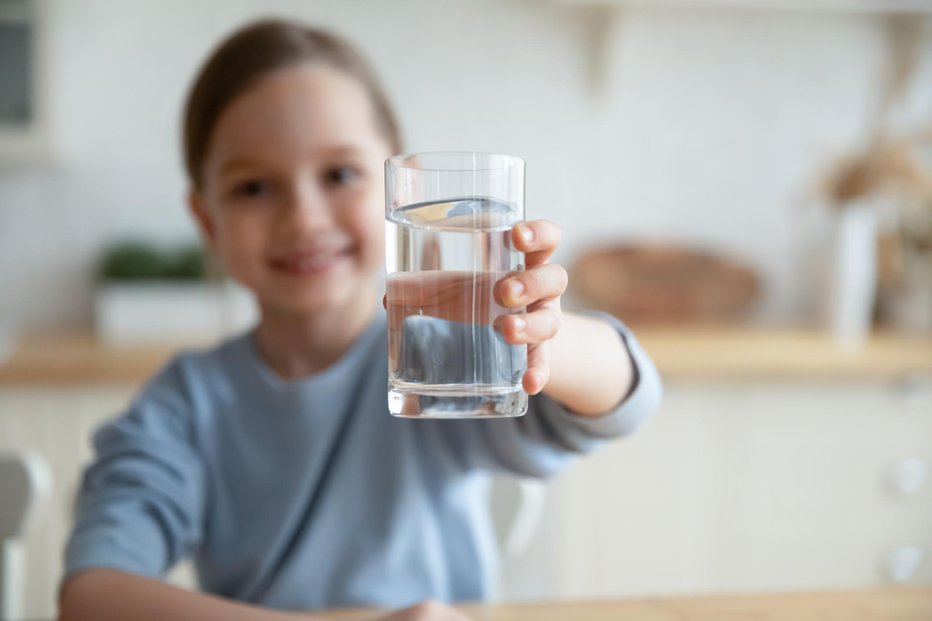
706,126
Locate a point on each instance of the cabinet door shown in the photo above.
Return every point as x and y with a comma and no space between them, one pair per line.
747,487
58,424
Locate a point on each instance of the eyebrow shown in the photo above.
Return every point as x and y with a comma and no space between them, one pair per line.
234,164
334,151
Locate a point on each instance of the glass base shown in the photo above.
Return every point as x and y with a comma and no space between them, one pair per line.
497,403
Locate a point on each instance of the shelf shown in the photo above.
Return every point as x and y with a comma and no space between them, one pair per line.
808,6
680,354
777,354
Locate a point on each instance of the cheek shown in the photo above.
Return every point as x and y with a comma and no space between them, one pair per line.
372,234
378,243
238,238
370,224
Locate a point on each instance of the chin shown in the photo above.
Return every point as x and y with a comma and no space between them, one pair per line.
310,305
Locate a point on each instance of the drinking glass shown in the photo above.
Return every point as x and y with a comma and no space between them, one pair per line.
449,217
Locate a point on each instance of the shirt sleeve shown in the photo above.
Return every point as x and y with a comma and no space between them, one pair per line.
543,441
141,502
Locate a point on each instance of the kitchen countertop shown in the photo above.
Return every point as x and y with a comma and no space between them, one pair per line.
782,353
744,353
876,604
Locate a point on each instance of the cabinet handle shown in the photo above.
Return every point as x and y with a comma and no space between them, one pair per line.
908,475
913,387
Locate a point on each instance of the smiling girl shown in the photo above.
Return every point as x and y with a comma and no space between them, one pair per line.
271,460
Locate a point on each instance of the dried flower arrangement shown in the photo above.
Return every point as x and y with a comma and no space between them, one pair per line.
895,168
892,165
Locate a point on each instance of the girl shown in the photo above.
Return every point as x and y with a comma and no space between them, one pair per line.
272,459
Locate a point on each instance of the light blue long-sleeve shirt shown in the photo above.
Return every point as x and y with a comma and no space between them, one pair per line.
308,494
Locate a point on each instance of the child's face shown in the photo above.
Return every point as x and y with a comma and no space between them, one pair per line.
292,197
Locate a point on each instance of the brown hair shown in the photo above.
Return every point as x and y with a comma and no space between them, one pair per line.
254,51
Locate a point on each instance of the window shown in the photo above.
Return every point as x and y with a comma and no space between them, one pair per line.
16,62
23,122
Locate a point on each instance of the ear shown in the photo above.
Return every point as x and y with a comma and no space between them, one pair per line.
198,208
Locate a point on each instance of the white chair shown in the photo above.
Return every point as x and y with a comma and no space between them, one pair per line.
25,481
517,509
518,506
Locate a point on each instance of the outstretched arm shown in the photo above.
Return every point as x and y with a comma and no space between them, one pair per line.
590,367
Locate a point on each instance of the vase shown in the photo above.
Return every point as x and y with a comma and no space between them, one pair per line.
852,286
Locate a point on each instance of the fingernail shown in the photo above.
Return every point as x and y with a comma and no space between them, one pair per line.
526,233
516,288
520,324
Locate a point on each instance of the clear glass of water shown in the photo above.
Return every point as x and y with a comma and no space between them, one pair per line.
449,217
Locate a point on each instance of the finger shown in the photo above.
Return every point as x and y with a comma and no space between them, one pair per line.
538,369
529,328
543,282
537,239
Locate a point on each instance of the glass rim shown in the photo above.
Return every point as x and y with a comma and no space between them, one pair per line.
509,161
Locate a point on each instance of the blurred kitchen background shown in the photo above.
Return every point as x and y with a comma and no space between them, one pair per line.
744,181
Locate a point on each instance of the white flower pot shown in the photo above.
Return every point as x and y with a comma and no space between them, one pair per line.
159,311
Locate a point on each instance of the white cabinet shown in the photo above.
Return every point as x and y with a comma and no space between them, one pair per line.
56,423
734,486
748,487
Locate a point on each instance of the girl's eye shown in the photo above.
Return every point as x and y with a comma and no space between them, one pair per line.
341,175
252,188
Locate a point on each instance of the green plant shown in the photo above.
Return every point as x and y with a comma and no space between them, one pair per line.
140,260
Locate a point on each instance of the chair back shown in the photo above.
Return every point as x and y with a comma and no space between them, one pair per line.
25,481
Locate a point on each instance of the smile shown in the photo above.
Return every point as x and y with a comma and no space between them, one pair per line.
307,264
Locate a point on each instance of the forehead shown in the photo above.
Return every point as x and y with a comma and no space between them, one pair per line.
297,112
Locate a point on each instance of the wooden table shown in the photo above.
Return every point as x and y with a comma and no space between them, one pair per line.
879,604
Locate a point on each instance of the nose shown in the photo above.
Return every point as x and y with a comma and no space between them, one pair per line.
307,209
